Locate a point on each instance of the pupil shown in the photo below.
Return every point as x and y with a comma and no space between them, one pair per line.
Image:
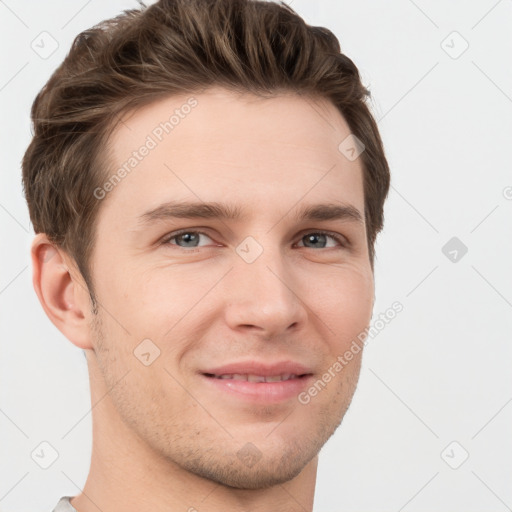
188,237
314,237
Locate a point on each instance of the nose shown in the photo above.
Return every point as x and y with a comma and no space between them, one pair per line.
264,297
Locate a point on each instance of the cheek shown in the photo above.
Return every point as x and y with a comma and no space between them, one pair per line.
151,302
169,294
345,302
171,307
142,299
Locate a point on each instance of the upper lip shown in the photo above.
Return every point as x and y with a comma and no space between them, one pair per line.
260,368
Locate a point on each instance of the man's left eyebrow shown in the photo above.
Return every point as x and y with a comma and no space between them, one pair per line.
216,210
330,211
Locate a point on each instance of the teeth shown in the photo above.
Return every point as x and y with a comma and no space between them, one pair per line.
274,378
257,378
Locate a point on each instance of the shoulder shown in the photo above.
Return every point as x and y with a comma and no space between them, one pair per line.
64,505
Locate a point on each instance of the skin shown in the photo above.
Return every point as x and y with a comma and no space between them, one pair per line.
162,438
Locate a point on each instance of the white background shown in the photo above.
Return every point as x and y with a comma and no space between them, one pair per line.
439,372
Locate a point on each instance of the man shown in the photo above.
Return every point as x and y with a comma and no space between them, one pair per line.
207,183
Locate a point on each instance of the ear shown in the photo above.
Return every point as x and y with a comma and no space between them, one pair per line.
61,291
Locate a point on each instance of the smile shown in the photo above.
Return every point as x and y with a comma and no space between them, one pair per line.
256,389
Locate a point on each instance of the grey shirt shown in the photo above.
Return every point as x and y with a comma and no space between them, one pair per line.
64,505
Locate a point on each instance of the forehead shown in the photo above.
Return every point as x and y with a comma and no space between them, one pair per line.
262,152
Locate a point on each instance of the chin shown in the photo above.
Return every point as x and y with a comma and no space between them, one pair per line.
263,477
252,469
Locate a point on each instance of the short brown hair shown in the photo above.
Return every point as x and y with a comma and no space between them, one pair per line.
171,47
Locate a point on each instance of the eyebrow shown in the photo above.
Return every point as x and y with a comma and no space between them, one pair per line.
216,210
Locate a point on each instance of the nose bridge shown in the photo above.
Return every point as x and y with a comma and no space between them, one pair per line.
261,288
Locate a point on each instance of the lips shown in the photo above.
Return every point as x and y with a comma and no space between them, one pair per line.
259,369
254,378
258,382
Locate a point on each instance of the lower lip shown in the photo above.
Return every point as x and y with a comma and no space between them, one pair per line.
262,392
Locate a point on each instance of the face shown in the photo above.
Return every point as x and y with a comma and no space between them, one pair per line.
213,329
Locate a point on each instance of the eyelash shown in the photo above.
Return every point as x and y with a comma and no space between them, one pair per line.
171,236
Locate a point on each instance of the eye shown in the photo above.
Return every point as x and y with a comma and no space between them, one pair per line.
319,238
189,239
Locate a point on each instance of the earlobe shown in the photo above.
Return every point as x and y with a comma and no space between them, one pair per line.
61,293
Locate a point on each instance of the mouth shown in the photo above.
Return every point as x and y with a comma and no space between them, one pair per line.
248,377
258,383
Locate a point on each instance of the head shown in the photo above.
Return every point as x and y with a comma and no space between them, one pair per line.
230,103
